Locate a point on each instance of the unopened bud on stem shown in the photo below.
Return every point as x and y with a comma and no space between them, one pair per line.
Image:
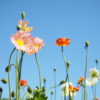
4,80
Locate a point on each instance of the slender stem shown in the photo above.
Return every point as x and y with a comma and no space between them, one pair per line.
86,95
66,68
82,92
53,87
39,70
0,79
93,92
51,96
24,95
61,97
85,72
73,95
17,77
23,87
44,84
9,73
0,95
55,83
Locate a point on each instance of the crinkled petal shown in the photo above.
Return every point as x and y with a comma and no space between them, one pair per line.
91,81
25,24
29,29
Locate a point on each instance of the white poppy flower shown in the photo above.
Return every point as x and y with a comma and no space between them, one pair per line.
67,89
94,74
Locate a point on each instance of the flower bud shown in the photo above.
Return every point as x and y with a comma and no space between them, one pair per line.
1,90
29,90
62,82
81,84
68,63
71,98
18,28
13,94
4,80
96,60
23,15
87,43
51,92
45,79
7,69
55,69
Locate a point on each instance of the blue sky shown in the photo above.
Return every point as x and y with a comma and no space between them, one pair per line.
52,19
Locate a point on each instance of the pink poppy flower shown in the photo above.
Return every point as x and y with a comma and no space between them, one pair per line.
22,40
25,24
37,45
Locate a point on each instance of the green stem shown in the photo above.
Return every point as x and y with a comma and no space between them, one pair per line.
23,87
9,74
61,97
17,77
53,87
85,71
24,95
66,68
0,95
51,96
82,92
55,83
39,70
93,92
86,95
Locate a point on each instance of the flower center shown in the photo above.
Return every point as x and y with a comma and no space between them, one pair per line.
94,74
20,42
36,46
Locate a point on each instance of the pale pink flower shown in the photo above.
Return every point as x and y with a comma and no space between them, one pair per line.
37,45
22,41
25,24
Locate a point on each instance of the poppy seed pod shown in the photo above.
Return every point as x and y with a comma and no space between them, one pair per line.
55,69
23,15
45,79
4,80
1,90
13,94
87,43
96,60
51,92
68,63
62,82
18,28
7,69
29,90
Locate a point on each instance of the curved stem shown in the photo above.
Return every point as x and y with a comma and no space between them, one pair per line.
39,70
93,92
85,72
9,73
23,87
53,87
24,95
55,83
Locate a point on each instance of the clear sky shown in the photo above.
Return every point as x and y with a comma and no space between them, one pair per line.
78,20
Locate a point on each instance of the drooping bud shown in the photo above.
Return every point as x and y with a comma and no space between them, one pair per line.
96,60
18,28
45,79
68,63
7,69
23,15
51,92
62,82
87,43
55,69
13,94
4,80
1,90
29,90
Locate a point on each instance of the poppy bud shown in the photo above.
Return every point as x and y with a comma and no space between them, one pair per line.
45,79
29,90
23,15
1,90
62,82
71,98
13,94
51,92
81,84
7,69
43,95
68,63
87,43
96,60
18,28
4,80
55,69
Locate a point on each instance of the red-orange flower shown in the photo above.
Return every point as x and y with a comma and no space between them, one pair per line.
81,79
73,89
23,82
62,41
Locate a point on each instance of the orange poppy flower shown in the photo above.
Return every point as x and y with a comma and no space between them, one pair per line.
73,89
23,82
62,41
81,79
